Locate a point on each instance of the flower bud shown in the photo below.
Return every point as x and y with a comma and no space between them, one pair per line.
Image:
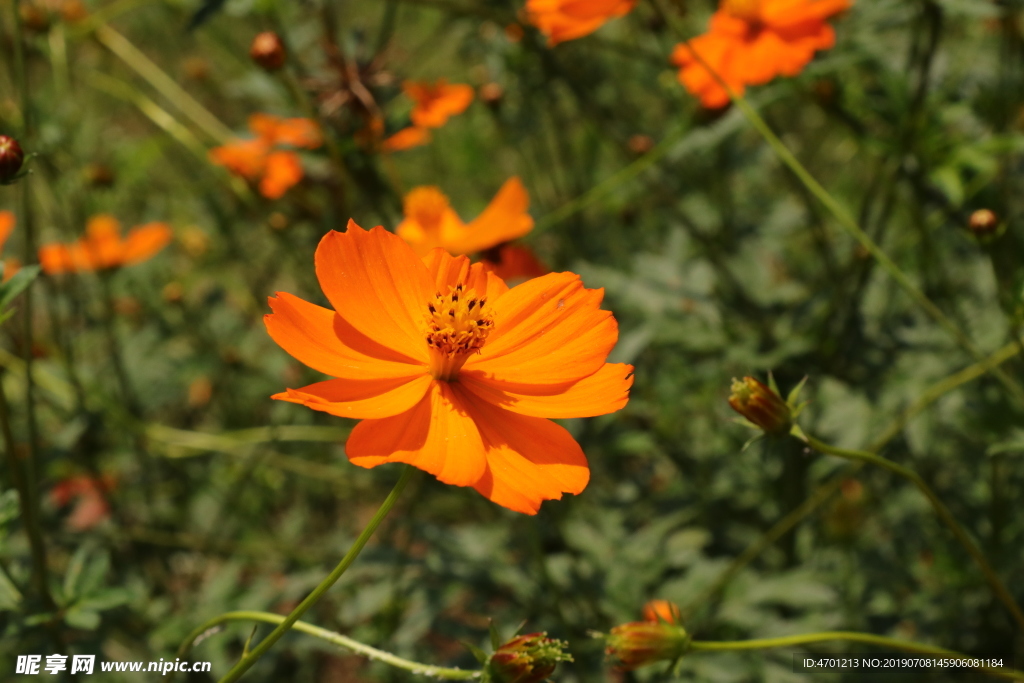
268,51
640,643
761,405
526,659
11,158
983,222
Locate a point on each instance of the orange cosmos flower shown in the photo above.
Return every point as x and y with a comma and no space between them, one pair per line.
430,221
256,159
437,102
101,248
449,369
750,42
562,20
11,265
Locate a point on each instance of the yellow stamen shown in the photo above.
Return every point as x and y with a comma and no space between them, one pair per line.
457,326
747,10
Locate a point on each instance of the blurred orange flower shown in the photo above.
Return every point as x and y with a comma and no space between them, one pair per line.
430,221
407,138
449,369
11,265
91,505
515,263
102,248
562,20
258,160
434,104
750,42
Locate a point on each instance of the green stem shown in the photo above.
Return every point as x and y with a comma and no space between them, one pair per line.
848,636
846,221
335,639
947,517
246,662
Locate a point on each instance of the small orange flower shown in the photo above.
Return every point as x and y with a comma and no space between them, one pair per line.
750,42
257,160
11,265
437,102
515,263
101,248
562,20
430,221
449,369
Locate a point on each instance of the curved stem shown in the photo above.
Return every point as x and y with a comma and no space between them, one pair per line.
940,508
288,622
849,636
335,639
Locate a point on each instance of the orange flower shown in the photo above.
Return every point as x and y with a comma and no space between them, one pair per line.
562,20
436,102
753,41
257,160
102,248
449,369
515,263
11,265
430,221
662,610
407,138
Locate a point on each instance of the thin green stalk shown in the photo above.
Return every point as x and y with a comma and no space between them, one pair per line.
846,221
947,517
246,662
335,639
852,637
830,487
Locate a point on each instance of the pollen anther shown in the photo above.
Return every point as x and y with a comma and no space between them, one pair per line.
458,324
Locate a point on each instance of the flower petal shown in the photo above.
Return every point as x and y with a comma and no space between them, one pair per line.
504,219
407,138
361,399
6,226
379,286
549,330
606,391
437,435
320,339
448,271
283,171
145,241
529,459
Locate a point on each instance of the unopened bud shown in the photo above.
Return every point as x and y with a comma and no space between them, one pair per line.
11,159
761,405
526,659
492,94
640,643
983,222
268,51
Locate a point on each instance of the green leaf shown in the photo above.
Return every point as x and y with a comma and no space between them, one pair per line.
16,285
82,618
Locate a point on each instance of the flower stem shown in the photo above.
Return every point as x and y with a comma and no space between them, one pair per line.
287,623
336,639
940,508
849,636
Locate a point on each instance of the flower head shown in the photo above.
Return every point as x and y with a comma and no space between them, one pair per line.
449,369
761,405
430,221
640,643
983,223
562,20
11,159
750,42
526,659
102,248
268,51
260,160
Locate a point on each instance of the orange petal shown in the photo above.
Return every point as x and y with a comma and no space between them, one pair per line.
516,263
283,171
437,436
309,334
55,259
406,139
529,459
428,216
549,330
298,133
246,158
448,271
145,241
361,399
379,286
11,266
6,226
606,391
436,103
504,219
265,126
102,246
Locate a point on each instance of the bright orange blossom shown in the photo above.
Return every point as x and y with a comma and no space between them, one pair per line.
102,247
259,160
430,221
436,102
449,369
750,42
562,20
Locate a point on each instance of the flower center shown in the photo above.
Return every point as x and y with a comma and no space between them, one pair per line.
426,206
747,10
457,326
